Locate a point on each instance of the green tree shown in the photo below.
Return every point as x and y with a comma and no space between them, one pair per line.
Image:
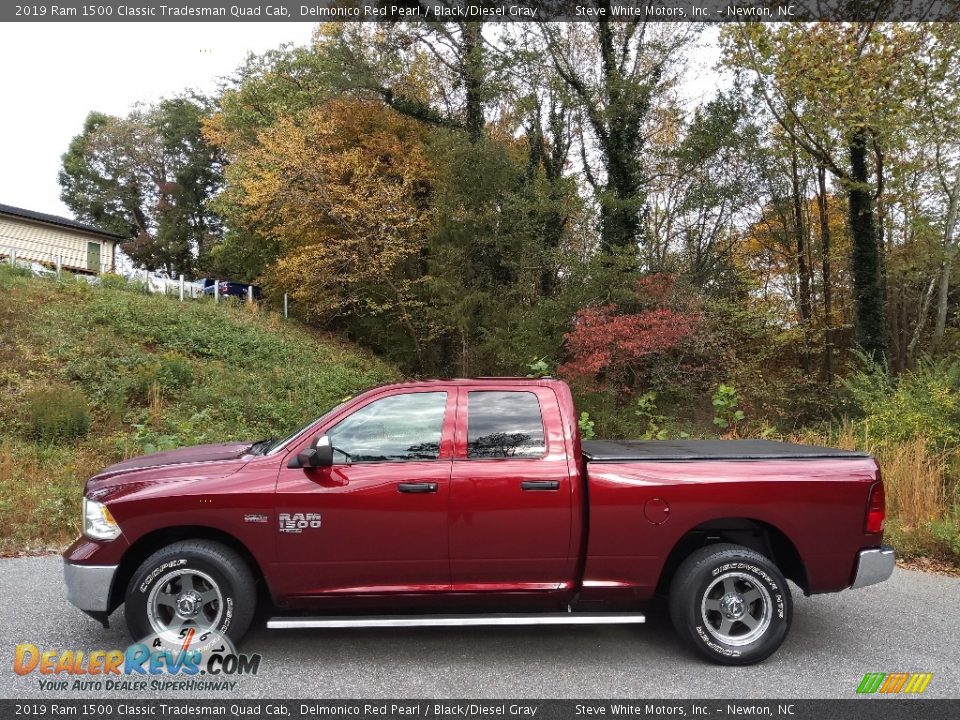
149,176
615,74
486,250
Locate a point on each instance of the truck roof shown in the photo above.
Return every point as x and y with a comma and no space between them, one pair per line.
507,380
640,450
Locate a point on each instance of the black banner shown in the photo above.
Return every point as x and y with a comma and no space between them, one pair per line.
854,709
709,11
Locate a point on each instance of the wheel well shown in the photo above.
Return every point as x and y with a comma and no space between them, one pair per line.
148,544
754,534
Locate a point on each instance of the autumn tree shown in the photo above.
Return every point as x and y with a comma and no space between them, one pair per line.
936,128
702,179
343,191
836,89
444,74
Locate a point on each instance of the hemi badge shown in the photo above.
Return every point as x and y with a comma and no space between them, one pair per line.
256,517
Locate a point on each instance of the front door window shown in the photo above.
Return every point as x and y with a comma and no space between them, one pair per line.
396,428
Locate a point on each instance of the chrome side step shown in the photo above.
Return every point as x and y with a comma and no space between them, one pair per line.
374,621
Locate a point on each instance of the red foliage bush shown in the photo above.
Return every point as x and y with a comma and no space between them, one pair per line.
622,349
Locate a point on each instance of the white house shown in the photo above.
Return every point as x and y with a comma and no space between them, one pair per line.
52,241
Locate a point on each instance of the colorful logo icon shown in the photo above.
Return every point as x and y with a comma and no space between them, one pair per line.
894,683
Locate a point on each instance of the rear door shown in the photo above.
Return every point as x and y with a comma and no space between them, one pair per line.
510,492
375,522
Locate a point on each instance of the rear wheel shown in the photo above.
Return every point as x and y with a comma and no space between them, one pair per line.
731,604
196,585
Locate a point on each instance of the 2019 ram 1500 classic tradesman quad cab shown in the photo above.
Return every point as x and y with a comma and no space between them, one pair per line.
472,502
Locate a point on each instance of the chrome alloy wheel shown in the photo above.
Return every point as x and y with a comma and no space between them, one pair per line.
736,608
184,599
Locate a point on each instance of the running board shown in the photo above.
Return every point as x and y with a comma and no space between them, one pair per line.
374,621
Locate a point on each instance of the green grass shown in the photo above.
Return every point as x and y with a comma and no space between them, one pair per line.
154,373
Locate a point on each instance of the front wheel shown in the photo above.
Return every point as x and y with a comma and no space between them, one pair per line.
196,585
731,604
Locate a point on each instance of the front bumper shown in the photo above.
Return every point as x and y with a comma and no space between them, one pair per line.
874,566
88,587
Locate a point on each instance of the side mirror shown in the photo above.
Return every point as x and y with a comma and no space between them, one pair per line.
319,454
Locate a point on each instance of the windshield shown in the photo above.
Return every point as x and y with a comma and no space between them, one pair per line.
277,445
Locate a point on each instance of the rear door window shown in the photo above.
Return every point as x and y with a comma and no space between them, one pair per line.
504,424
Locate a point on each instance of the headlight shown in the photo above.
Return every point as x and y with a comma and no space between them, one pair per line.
98,523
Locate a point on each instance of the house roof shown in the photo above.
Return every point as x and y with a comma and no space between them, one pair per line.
11,211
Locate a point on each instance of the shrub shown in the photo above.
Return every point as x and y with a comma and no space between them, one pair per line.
118,282
726,408
623,348
57,414
170,372
538,368
8,271
921,402
648,412
586,426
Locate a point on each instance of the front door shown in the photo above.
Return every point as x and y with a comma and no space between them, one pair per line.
375,522
510,494
93,257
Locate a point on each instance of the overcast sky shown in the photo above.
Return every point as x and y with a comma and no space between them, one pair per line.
55,73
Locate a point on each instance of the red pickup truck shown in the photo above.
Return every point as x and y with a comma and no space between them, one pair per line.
475,502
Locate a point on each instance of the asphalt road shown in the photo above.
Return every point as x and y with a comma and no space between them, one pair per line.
910,623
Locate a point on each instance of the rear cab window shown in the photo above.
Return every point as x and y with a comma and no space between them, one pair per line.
504,424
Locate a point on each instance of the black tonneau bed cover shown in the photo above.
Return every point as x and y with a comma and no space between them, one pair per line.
639,450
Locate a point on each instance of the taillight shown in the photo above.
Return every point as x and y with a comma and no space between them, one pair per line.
876,509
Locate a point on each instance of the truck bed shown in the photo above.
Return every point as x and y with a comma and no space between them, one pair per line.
697,450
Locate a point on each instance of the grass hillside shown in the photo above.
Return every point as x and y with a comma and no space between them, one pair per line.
93,374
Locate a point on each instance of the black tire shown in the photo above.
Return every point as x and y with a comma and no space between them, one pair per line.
212,568
731,604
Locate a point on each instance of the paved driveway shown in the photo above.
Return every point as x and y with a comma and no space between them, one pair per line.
911,624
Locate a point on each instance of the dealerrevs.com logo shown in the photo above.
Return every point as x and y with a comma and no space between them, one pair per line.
894,683
206,662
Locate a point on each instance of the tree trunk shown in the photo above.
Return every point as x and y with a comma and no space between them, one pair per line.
949,254
473,77
622,199
941,326
868,296
803,268
921,321
827,272
894,313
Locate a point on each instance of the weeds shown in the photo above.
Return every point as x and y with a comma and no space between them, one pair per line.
149,373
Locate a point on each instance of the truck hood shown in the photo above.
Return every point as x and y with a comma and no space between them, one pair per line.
230,456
